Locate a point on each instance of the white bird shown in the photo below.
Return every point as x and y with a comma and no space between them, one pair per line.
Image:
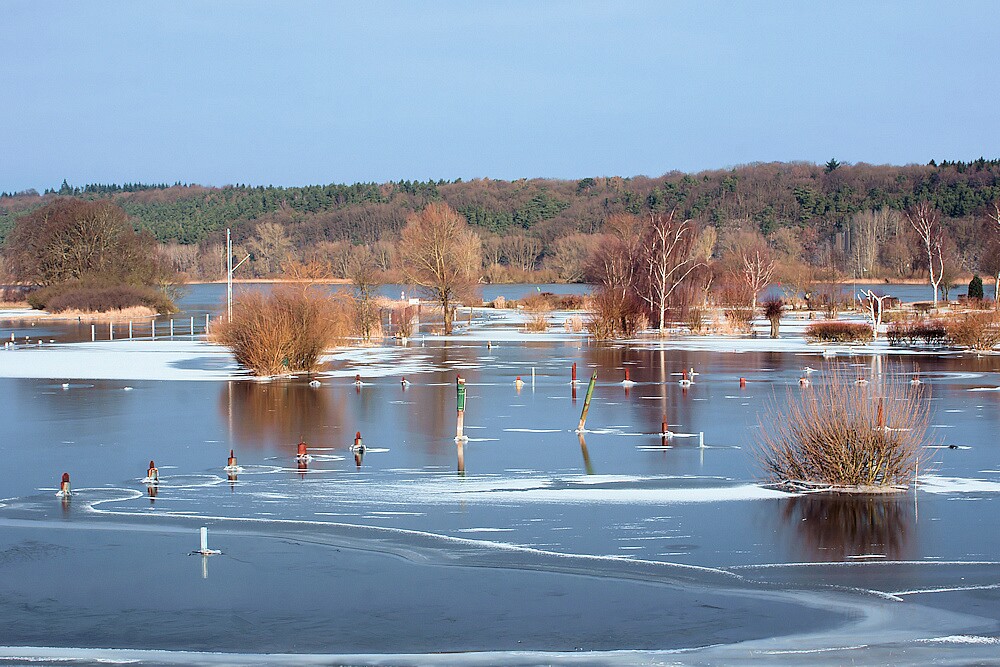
314,383
861,382
65,385
685,382
804,382
915,380
808,369
829,353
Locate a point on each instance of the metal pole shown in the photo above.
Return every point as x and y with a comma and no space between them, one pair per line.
229,276
586,403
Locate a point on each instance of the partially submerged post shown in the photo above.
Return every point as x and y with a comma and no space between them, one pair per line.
460,404
93,332
64,488
586,403
111,330
574,373
204,550
586,455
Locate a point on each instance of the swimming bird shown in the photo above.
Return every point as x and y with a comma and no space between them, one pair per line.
915,380
804,382
314,383
404,383
808,369
861,382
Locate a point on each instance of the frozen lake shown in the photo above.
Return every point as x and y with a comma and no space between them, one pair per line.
530,545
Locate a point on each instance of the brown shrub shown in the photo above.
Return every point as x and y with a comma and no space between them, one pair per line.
832,435
98,298
740,318
978,331
833,331
547,301
614,315
916,331
284,331
537,321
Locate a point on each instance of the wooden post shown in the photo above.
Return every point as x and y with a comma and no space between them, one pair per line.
460,445
460,403
586,403
743,383
573,380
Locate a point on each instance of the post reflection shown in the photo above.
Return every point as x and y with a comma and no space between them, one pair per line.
279,412
586,455
833,527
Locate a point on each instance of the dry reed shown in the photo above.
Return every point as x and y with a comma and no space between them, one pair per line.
844,436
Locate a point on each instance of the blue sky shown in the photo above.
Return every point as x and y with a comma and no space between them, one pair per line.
293,93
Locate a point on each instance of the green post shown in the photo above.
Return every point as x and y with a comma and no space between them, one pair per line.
586,403
460,425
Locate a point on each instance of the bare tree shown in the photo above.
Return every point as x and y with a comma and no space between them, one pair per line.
570,255
992,258
271,248
442,255
926,221
364,274
667,259
871,229
872,304
521,251
751,261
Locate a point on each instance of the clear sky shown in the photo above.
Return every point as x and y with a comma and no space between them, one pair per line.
295,93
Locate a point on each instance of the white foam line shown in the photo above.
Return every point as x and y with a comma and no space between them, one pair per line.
961,639
982,587
768,566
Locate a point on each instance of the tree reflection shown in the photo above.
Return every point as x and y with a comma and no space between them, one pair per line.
832,527
278,413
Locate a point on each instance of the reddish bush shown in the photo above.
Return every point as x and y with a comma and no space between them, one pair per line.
839,332
95,298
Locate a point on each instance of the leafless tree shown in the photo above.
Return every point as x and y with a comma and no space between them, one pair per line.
871,229
926,221
271,248
440,254
872,303
364,274
667,259
751,261
570,255
521,251
992,259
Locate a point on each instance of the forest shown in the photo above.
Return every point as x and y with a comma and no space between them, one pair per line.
836,218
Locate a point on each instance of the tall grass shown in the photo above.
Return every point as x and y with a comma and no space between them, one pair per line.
844,436
285,331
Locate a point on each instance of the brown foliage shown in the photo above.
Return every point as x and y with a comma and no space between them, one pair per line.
72,239
442,255
285,331
839,332
978,331
832,435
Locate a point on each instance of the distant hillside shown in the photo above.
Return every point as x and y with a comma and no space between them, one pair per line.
765,197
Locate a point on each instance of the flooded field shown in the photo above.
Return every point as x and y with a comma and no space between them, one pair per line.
527,544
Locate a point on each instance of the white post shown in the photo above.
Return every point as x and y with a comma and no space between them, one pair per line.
206,324
204,539
701,439
93,332
152,329
130,329
111,330
171,327
192,325
229,276
532,377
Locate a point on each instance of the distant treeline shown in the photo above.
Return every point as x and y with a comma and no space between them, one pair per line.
815,204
